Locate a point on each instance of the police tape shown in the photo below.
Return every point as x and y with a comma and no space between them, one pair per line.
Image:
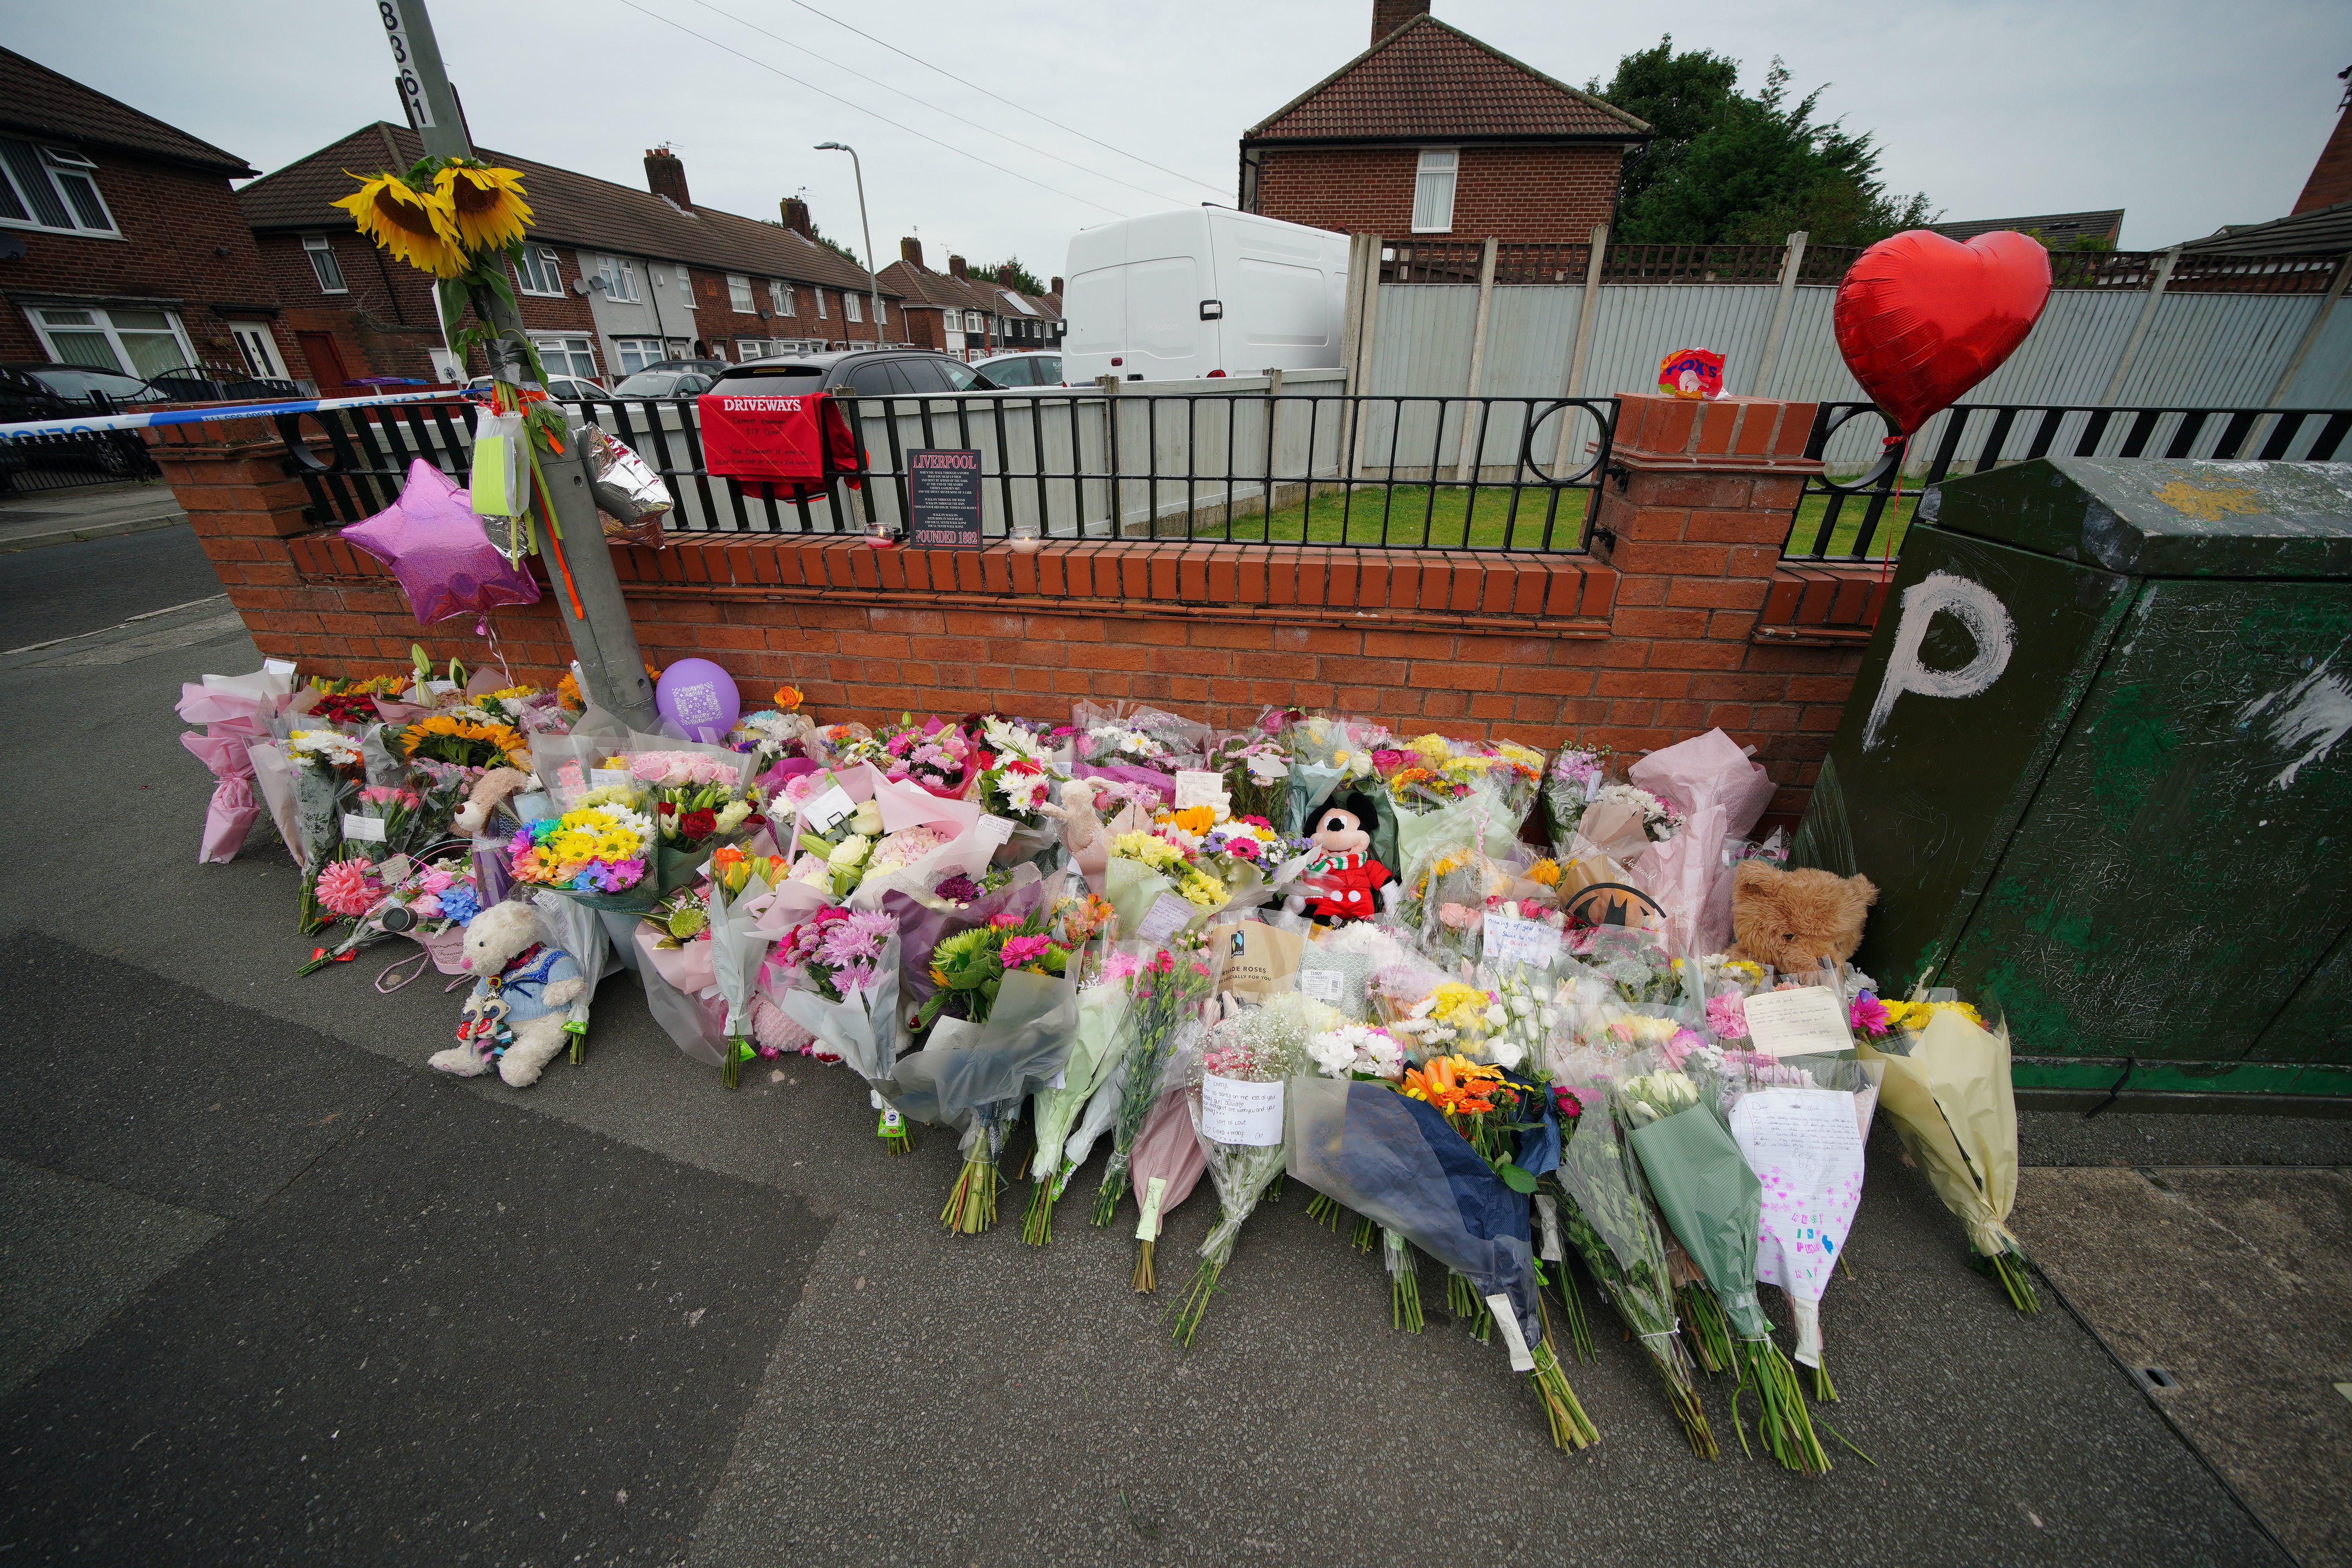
30,429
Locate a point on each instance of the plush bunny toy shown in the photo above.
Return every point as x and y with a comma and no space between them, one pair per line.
1347,883
522,995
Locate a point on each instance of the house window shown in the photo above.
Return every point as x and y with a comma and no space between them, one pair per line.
972,322
738,294
50,188
142,342
538,272
750,348
323,263
567,356
780,295
635,353
685,286
820,302
851,309
619,276
1432,191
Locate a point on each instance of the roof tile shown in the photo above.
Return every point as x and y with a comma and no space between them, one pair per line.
35,99
1427,80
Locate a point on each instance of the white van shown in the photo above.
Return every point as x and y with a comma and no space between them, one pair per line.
1207,291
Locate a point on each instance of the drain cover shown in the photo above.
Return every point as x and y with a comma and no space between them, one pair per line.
2151,1378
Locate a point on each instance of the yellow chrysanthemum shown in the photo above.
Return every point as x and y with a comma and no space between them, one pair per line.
416,226
486,203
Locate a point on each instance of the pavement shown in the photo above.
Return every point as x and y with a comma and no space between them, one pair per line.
31,519
273,1291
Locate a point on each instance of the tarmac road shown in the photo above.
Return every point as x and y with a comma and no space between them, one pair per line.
65,589
277,1292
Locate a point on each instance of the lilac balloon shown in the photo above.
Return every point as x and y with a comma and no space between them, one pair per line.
699,698
435,546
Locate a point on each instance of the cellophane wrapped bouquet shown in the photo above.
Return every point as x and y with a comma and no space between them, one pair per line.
1255,768
1327,757
699,800
1166,985
599,850
846,966
1359,1053
931,752
329,775
1237,1114
1105,1000
1580,778
1018,779
1136,744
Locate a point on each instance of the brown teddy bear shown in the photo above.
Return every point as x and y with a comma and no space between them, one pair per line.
1793,920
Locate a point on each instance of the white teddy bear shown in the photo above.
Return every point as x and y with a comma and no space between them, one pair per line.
522,997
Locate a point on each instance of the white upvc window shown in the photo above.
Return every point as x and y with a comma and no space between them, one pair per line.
682,282
50,188
974,321
1432,190
323,265
566,356
852,308
820,302
140,342
779,296
619,276
635,353
738,294
540,273
750,348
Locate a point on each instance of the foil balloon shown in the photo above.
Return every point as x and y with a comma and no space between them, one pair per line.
1921,319
699,698
436,547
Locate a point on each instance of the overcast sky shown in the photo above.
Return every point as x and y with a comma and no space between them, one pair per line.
2187,113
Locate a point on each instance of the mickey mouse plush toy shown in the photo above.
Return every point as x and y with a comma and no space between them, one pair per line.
1345,881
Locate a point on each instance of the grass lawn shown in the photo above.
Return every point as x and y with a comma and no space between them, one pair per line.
1407,516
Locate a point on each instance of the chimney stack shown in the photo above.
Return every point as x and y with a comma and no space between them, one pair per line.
955,266
665,176
1004,277
1387,15
911,251
1055,289
796,216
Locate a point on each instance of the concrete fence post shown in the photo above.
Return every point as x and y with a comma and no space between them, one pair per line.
1790,264
1474,428
2139,328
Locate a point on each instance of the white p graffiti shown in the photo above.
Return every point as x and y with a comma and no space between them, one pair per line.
1974,607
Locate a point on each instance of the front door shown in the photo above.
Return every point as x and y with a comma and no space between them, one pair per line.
326,362
259,348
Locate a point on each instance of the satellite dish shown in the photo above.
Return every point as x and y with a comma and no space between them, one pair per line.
579,285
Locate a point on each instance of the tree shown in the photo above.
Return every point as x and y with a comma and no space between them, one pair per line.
1023,281
1728,168
834,246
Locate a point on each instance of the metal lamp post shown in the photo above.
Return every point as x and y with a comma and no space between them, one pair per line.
872,276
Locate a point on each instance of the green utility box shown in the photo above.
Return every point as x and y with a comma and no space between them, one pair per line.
2098,760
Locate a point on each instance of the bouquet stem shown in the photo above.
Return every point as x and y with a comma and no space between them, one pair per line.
1405,1282
1462,1300
1825,1390
1365,1232
2010,1269
971,1206
1570,1428
1710,1335
1195,1305
1144,1283
1782,1420
1325,1213
1674,1370
1579,1329
1106,1197
1273,1189
732,1075
1037,1224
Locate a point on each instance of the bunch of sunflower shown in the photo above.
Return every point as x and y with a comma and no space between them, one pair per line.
445,216
469,743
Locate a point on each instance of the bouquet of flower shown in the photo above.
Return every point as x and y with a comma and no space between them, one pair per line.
1327,757
328,776
1244,854
598,852
699,801
1144,867
1713,1202
1256,770
1018,780
935,754
1166,1163
1605,1213
1167,986
1104,1000
1947,1088
850,999
400,897
1237,1109
1634,959
1400,1162
1137,745
1435,1016
468,739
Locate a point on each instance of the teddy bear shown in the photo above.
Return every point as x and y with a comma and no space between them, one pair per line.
490,792
1345,882
1795,920
522,995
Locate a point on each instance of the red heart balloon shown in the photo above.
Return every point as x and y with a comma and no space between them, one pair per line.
1921,319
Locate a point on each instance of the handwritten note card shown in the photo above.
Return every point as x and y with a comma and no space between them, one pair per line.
1234,1110
1805,1022
1511,940
1805,1146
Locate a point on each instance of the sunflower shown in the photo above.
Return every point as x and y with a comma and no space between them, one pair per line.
484,203
416,226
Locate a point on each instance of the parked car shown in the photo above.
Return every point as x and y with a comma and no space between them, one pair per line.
27,393
657,383
564,388
885,373
81,385
1201,292
1029,368
709,367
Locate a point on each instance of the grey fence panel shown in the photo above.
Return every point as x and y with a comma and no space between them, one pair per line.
1529,330
1421,347
2325,379
1808,367
2216,350
1637,325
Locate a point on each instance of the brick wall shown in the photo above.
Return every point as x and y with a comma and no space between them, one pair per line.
1665,629
720,323
1506,193
184,237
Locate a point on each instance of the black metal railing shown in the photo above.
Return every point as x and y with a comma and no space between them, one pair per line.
67,462
1842,518
1397,473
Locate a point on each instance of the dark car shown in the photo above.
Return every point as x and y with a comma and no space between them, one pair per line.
219,384
31,392
885,373
1027,368
82,387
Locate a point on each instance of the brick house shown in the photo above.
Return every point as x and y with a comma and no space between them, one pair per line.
614,278
1430,131
122,245
972,318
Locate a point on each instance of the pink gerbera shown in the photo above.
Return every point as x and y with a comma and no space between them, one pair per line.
349,887
1021,949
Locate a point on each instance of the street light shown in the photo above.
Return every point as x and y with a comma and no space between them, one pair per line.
872,276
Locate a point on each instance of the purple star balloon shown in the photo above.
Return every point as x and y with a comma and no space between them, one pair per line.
435,546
